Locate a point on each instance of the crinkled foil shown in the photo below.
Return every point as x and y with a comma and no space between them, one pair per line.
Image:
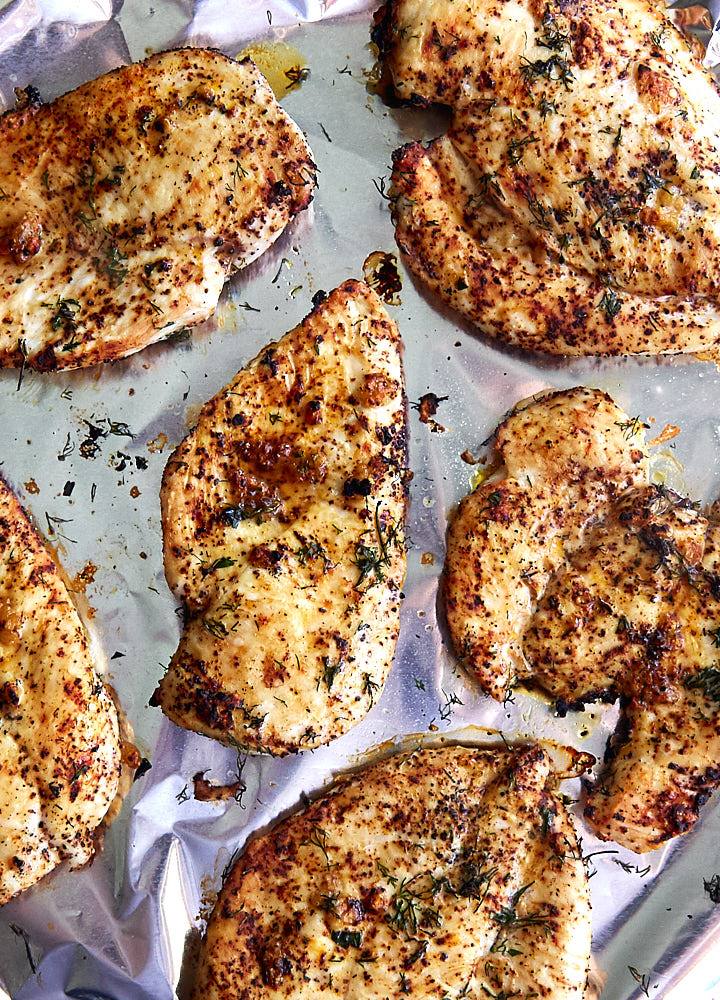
127,926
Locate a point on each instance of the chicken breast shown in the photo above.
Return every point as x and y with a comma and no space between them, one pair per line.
59,742
439,873
283,521
569,571
125,204
574,205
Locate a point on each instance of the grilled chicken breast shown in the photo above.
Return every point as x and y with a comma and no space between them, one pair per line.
569,571
59,742
283,520
440,873
127,203
574,205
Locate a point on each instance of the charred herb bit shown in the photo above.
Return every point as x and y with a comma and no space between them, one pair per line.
507,916
714,633
542,214
330,672
642,979
370,688
475,882
712,888
53,529
269,361
501,946
183,795
65,313
296,76
516,148
610,304
216,627
486,187
88,179
546,107
114,264
657,37
283,263
252,720
311,549
632,427
22,348
419,953
408,910
554,69
631,869
695,173
370,563
446,709
381,186
233,516
616,132
224,562
706,680
328,903
239,172
650,182
318,838
22,933
553,39
347,939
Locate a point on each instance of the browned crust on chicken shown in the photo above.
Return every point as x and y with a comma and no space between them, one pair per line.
574,205
438,873
127,202
283,522
567,570
59,743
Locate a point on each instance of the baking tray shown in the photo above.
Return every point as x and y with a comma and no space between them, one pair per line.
127,926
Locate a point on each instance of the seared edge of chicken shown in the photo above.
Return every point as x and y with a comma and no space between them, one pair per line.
283,523
574,206
442,872
59,743
127,203
562,457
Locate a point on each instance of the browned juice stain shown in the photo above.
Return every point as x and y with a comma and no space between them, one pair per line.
282,65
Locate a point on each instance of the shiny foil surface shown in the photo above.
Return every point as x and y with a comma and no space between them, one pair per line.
127,926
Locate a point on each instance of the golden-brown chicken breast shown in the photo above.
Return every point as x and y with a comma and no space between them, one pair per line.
569,571
59,743
439,873
574,205
563,457
283,521
125,204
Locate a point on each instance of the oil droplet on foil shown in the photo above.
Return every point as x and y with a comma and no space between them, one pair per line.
283,66
478,477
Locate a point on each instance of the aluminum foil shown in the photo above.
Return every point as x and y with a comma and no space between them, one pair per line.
127,926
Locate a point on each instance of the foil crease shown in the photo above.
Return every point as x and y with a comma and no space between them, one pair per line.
127,926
